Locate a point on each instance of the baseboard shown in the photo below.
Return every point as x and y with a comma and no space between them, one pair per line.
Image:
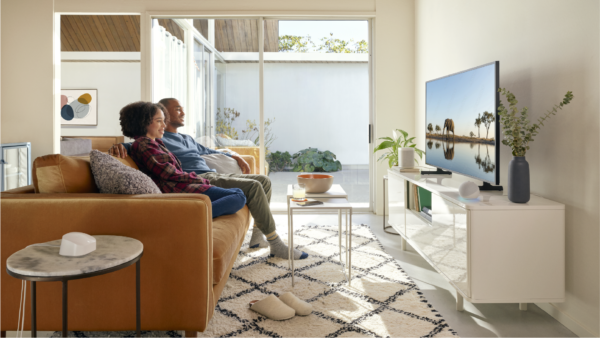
566,320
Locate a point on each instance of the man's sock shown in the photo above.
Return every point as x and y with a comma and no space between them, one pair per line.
279,249
258,239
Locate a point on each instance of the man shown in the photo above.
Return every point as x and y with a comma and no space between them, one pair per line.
256,188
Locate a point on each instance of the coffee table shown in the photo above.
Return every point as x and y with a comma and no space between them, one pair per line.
334,199
112,253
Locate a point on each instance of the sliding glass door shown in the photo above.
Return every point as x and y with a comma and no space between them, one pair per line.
316,94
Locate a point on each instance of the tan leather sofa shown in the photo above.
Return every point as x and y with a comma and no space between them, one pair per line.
187,255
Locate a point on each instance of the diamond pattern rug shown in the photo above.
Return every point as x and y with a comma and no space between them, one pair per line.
382,301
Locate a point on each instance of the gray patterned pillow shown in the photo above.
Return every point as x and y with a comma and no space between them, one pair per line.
113,177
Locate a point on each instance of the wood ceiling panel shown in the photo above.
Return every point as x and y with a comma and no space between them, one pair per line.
121,33
121,45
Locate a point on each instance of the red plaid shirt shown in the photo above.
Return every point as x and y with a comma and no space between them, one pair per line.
153,159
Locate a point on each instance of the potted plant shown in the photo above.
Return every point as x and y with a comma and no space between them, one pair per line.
401,150
518,133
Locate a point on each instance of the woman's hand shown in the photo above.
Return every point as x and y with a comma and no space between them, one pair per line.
118,150
242,163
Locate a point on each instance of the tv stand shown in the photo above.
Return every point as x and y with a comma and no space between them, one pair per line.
489,249
488,187
438,171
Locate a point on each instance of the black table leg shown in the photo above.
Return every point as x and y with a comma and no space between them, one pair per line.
33,319
64,309
137,299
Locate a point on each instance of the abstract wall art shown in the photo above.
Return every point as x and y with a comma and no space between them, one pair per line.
79,107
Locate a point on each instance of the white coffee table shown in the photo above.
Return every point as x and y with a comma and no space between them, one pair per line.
334,199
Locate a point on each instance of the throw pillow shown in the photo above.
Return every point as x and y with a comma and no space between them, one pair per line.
63,174
114,177
223,164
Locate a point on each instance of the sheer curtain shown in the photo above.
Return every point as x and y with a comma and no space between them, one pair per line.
169,65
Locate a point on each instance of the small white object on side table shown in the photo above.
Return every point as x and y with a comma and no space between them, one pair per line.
333,199
44,264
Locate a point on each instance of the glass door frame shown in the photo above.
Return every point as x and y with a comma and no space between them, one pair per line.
146,63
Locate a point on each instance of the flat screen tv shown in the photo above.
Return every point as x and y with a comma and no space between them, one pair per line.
461,124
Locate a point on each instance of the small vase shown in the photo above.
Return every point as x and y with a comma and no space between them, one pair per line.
518,180
407,157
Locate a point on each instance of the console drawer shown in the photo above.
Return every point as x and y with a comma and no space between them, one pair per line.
397,203
443,241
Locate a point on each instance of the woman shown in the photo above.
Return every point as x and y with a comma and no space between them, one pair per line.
145,122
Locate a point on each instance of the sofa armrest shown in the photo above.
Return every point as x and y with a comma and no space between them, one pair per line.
251,163
175,229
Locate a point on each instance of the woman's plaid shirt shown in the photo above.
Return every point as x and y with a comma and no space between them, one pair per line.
153,159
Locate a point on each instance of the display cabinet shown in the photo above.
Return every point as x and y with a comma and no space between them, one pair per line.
15,163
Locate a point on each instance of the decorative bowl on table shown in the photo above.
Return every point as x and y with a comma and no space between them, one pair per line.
316,183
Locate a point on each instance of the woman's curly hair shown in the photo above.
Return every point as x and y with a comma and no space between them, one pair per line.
136,117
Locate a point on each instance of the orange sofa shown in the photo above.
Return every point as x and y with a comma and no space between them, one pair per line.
187,258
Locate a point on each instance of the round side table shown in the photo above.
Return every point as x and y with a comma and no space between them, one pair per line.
112,253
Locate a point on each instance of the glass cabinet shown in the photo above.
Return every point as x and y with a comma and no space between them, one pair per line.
15,160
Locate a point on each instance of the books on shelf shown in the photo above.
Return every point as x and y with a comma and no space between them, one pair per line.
309,201
407,170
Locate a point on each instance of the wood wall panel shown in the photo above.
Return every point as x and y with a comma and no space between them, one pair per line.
121,33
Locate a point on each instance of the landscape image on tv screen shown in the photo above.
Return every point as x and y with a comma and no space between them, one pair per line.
461,123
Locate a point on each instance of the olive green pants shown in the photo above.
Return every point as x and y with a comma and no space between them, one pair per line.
257,189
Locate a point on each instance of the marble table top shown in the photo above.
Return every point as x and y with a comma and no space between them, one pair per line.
44,261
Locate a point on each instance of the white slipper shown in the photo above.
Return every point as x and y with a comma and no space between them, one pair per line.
301,307
273,308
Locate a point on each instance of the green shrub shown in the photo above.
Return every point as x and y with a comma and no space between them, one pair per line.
313,160
278,161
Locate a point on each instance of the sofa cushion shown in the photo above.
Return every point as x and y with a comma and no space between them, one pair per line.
223,164
63,174
228,230
114,177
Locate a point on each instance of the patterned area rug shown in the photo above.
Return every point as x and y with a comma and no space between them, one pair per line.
382,301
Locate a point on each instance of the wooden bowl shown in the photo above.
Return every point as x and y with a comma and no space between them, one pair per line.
316,183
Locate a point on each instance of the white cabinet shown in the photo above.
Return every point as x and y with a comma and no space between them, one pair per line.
489,249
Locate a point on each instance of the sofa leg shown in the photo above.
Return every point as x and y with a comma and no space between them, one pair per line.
191,333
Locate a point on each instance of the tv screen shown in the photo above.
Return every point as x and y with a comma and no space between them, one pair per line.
462,130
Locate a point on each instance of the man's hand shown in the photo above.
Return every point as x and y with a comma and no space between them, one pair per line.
118,150
242,163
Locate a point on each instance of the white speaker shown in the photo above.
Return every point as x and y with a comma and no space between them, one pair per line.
468,190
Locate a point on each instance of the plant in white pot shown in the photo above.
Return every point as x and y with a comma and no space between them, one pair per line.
400,150
518,133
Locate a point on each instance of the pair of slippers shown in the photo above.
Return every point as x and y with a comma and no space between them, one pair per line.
282,308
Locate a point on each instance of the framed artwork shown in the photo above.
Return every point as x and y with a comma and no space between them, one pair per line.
79,107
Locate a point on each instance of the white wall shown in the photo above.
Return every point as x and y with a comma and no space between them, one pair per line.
27,113
318,105
394,76
545,48
118,84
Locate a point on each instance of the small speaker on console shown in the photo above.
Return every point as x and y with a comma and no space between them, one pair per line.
468,190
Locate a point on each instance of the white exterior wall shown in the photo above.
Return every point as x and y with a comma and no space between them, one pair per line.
118,84
318,105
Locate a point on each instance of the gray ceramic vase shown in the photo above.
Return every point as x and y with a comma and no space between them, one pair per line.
518,180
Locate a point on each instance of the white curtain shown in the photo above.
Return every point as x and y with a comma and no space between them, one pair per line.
169,65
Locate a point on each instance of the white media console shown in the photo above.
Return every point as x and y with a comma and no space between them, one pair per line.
490,249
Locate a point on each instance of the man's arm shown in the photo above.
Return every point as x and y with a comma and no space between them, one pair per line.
120,149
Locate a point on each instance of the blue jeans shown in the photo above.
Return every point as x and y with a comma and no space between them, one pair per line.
225,201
